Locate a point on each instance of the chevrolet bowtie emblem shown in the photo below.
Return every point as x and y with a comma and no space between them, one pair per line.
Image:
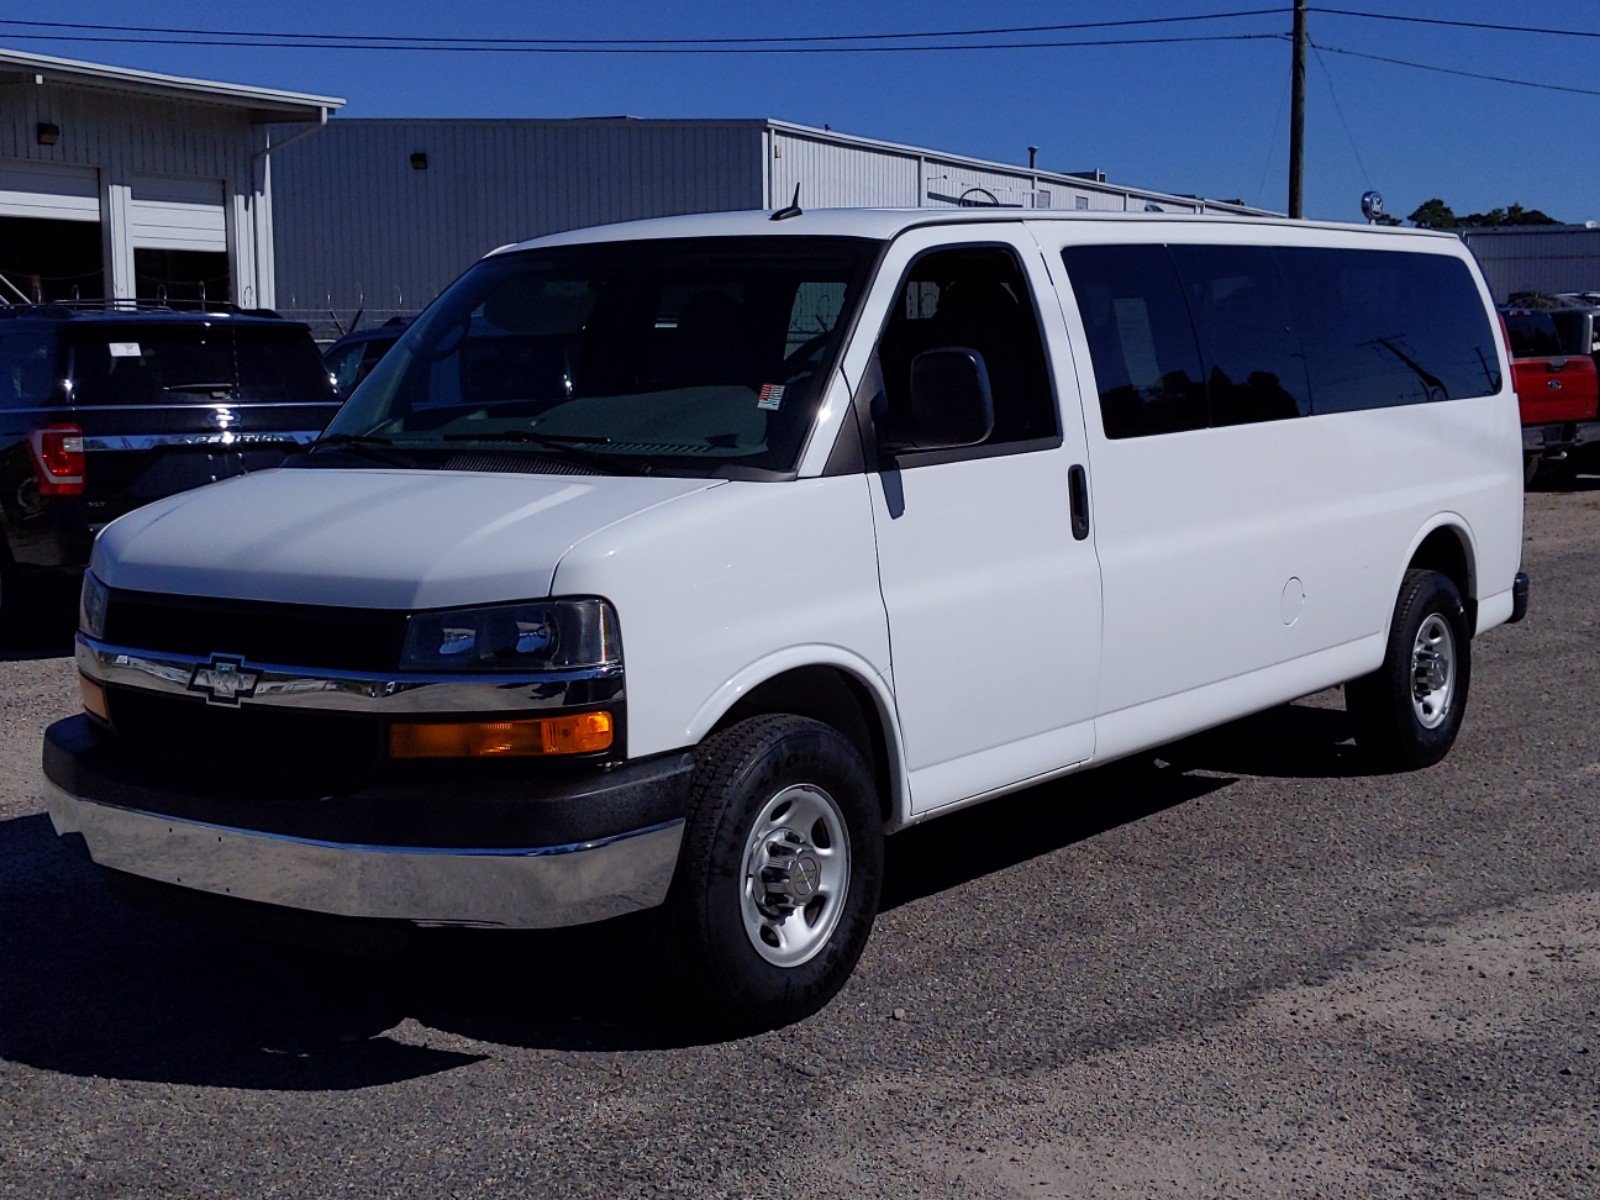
223,680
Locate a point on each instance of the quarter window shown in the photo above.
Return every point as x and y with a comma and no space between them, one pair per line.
1384,327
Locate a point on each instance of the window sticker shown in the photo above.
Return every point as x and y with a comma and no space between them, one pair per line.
124,349
770,397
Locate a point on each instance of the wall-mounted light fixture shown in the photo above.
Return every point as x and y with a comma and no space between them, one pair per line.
419,161
47,134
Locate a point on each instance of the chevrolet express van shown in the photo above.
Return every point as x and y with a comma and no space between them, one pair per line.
672,565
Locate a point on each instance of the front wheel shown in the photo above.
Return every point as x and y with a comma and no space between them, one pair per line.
778,879
1407,713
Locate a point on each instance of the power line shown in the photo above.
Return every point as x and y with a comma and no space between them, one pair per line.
1339,108
607,50
1401,62
431,41
1489,25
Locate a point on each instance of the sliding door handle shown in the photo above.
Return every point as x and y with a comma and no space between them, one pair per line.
1078,489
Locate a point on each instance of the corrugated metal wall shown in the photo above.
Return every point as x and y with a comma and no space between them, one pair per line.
122,135
836,170
355,224
1538,260
126,134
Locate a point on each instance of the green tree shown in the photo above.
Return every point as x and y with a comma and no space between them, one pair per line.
1433,214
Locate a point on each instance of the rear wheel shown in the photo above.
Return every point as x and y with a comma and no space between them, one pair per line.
1530,468
1407,713
778,879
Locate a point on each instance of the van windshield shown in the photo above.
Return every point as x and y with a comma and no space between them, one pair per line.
683,356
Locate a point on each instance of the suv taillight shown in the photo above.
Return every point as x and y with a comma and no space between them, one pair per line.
58,459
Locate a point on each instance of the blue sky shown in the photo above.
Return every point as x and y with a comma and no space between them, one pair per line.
1210,118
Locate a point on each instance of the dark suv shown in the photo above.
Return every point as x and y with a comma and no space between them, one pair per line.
107,407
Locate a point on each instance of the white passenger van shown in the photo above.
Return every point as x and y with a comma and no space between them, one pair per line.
673,564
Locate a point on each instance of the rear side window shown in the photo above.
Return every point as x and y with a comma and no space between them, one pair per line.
1383,328
29,366
1280,331
1255,368
1141,340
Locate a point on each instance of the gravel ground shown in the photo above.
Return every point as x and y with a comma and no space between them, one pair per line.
1246,969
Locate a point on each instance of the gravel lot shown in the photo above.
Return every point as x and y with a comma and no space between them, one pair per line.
1248,969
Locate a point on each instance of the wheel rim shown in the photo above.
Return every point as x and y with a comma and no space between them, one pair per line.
1433,671
796,875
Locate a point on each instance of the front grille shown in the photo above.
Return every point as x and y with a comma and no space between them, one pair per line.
349,639
253,742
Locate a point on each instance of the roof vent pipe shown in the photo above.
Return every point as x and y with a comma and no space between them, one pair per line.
1033,157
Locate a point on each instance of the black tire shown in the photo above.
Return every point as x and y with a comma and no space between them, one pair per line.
1387,724
721,974
1531,463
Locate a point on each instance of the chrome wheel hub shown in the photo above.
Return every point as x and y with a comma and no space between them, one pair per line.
796,875
1433,671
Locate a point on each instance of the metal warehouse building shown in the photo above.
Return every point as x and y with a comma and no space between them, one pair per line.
381,214
118,184
1537,258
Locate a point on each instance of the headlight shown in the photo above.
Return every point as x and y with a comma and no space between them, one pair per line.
543,635
92,607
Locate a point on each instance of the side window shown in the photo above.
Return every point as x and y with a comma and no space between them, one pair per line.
28,367
1141,340
1384,327
345,367
1255,369
978,298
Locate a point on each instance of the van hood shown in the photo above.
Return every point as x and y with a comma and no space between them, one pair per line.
396,539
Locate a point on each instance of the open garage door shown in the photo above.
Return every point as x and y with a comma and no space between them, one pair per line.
179,232
50,245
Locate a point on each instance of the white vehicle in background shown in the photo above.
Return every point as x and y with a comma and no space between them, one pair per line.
674,564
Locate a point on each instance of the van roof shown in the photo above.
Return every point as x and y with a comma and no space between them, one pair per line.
882,224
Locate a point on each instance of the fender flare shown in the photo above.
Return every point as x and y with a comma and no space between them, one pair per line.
1458,524
780,662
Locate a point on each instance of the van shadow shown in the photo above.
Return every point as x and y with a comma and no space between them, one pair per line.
94,986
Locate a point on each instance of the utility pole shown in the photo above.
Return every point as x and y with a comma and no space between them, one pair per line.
1297,112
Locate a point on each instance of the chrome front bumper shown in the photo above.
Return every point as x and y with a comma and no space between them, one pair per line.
523,888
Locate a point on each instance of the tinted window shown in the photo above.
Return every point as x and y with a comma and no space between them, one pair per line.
1533,333
197,364
1254,368
344,364
976,298
29,366
1384,327
1141,340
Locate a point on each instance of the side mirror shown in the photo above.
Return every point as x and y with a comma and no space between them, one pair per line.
950,404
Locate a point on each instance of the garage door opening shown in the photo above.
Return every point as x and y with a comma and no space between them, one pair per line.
50,260
188,276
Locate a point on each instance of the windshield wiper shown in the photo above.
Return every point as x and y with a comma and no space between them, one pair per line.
566,444
199,387
371,445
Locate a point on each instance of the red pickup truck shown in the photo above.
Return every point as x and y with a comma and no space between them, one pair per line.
1558,388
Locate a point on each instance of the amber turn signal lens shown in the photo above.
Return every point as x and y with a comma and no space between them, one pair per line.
94,698
577,733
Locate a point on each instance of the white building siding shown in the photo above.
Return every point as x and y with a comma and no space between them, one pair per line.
837,176
130,141
356,225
